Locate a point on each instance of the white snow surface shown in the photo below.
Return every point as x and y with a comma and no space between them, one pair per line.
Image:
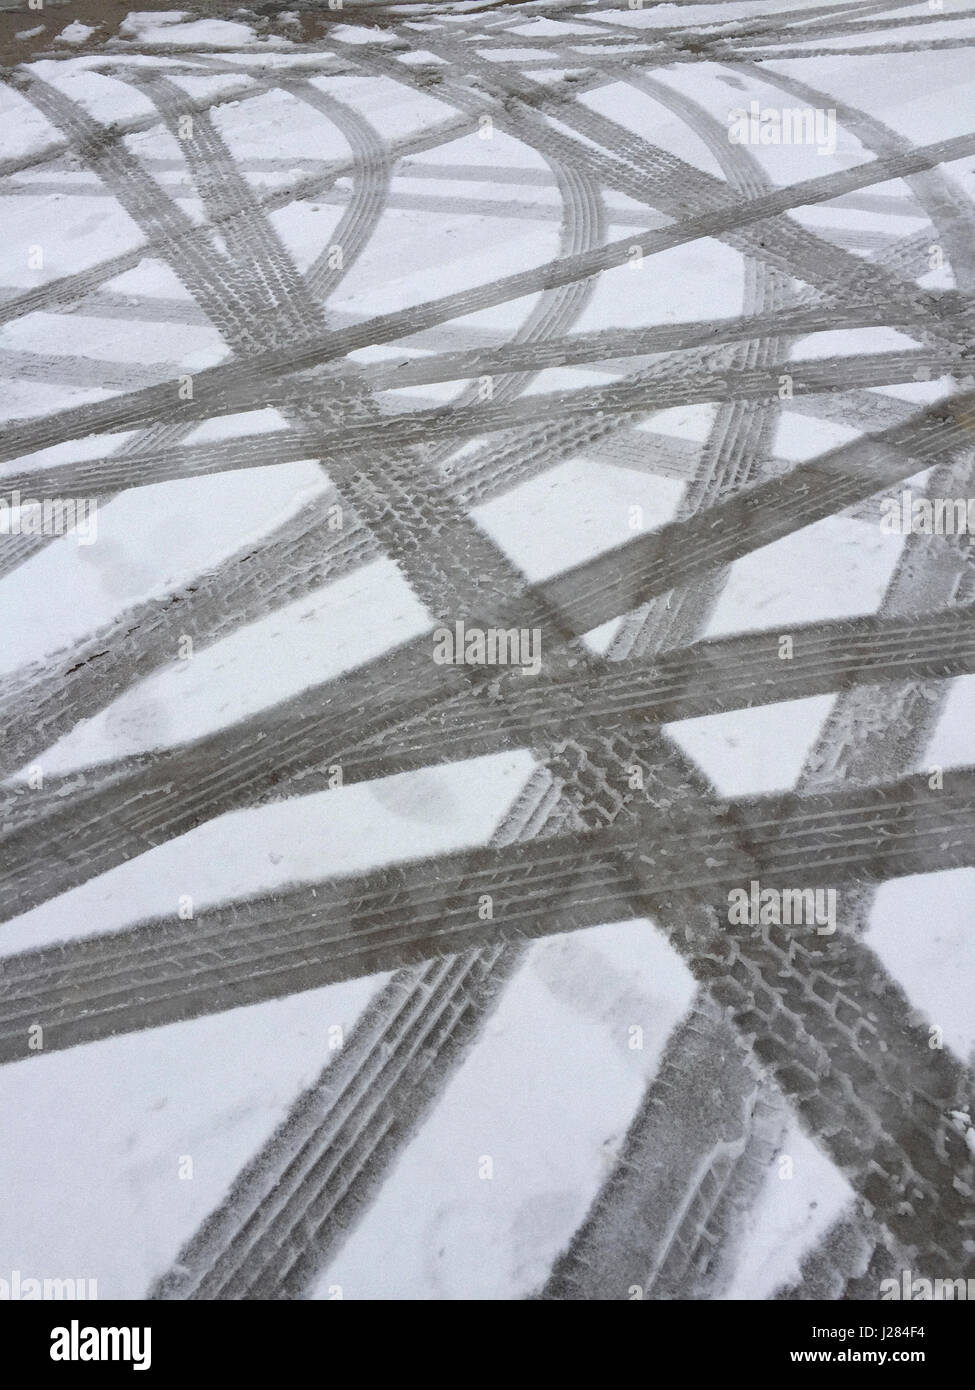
94,1136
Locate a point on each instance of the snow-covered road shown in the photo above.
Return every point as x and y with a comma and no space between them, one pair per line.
333,968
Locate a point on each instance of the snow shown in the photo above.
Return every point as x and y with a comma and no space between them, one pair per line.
127,1111
308,642
852,562
547,1097
76,32
94,1134
799,1202
176,28
921,928
344,830
575,511
751,752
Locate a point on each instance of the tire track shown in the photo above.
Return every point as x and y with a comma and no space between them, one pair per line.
54,294
712,676
658,388
236,952
410,521
172,792
719,1054
680,1143
914,831
627,169
399,323
618,1241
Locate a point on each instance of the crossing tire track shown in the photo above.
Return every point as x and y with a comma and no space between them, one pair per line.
890,1157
